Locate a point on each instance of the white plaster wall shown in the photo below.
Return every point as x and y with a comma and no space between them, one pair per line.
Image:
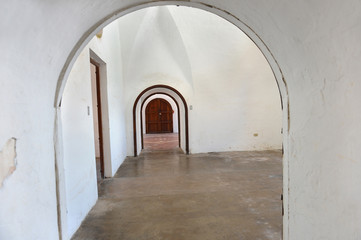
109,50
78,130
316,45
78,144
173,105
234,95
154,49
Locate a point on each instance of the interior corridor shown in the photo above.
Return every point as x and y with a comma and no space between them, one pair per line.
170,195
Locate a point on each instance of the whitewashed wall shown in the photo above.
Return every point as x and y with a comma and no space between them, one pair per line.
315,44
78,145
78,130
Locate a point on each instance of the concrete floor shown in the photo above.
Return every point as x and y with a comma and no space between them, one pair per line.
169,195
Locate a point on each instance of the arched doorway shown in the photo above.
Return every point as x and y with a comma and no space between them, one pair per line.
166,138
229,17
159,117
176,122
182,108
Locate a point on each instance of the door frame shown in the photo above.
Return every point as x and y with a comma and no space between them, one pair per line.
105,112
141,117
99,114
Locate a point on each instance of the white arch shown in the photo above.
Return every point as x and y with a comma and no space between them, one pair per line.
182,116
127,8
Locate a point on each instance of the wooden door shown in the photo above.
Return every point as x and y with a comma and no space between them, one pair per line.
159,116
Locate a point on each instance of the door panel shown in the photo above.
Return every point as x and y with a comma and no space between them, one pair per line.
159,116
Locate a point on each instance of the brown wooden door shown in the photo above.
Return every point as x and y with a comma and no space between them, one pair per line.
159,116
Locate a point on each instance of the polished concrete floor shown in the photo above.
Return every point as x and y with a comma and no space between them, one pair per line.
169,195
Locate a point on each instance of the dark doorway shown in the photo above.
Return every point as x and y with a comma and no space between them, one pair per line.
159,116
97,119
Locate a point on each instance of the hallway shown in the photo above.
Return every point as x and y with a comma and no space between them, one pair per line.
169,195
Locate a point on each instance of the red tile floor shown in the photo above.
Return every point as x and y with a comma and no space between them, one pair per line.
162,141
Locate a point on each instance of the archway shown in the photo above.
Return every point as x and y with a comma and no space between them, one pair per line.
158,90
178,116
228,16
159,124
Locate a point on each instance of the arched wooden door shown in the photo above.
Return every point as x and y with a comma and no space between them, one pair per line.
159,116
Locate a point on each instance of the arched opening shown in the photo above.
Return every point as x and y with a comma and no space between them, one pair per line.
158,121
182,118
270,58
176,118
